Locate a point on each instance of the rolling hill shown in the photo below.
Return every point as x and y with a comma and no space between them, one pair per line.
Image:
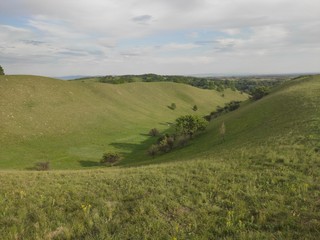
262,182
71,124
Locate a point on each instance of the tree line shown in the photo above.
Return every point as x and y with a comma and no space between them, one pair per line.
246,85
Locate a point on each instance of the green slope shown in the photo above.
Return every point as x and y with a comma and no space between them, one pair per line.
282,126
261,183
72,123
287,120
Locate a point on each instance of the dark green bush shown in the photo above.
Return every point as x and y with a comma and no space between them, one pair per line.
153,150
110,158
42,166
173,106
154,132
195,108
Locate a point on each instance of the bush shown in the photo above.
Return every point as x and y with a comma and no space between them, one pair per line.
154,132
1,71
190,124
110,158
195,108
153,150
170,142
42,166
166,144
173,106
259,92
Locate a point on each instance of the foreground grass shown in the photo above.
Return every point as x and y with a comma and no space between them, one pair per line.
201,199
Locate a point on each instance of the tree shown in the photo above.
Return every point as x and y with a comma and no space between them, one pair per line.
259,92
190,124
1,71
110,158
195,108
154,132
222,130
153,150
42,166
173,106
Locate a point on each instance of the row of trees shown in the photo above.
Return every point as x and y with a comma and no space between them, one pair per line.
186,127
247,85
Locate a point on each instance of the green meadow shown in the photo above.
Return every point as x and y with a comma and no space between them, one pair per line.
261,182
71,124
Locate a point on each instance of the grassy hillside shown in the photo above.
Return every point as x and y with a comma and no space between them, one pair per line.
71,124
283,126
262,182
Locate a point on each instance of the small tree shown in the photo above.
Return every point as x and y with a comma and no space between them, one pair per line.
1,71
173,106
259,92
166,143
222,130
154,132
170,142
42,166
195,108
110,158
153,150
190,124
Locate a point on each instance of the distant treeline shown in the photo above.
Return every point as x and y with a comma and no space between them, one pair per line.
242,84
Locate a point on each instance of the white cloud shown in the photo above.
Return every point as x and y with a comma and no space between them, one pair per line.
190,35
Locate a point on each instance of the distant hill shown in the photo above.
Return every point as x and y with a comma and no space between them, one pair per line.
72,77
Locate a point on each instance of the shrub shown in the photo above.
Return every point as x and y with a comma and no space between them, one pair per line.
173,106
170,142
154,132
195,108
162,138
259,92
190,124
110,158
166,144
163,145
1,71
153,150
42,166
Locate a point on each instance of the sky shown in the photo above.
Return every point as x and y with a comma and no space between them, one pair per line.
115,37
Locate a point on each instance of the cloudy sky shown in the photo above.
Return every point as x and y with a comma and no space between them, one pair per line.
100,37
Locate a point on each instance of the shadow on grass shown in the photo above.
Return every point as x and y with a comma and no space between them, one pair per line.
137,154
125,146
166,123
86,163
145,135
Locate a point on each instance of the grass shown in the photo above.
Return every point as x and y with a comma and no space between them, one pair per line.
71,124
262,182
200,199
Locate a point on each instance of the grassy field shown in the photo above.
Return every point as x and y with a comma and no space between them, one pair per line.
71,124
262,182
